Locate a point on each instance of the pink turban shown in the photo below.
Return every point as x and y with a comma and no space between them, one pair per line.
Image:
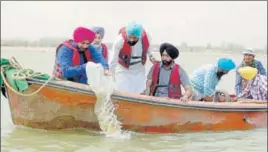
82,34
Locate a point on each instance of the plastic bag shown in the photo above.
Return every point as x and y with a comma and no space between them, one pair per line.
103,87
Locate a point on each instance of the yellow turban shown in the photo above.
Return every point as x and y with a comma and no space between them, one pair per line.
248,73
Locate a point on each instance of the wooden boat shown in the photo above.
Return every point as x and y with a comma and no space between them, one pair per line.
64,104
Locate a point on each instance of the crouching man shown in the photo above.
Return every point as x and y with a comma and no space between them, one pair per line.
256,84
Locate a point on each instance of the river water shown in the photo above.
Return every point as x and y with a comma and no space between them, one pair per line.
21,139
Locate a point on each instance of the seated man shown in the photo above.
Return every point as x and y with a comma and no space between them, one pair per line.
249,60
256,88
72,56
97,43
205,79
165,79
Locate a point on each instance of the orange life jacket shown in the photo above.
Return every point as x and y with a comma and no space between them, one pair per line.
174,87
75,60
125,53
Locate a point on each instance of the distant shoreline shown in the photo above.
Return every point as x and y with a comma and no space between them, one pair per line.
46,43
52,49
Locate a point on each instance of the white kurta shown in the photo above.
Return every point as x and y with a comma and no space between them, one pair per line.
132,79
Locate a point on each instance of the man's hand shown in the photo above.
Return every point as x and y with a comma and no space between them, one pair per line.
234,99
208,98
107,72
152,59
147,92
188,93
184,99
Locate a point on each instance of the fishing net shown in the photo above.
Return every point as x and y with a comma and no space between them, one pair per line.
103,87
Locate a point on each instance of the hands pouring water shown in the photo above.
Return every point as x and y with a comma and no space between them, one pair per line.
107,72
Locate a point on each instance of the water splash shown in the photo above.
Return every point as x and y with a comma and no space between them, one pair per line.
104,108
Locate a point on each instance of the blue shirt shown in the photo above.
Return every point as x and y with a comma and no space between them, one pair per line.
204,80
64,58
238,81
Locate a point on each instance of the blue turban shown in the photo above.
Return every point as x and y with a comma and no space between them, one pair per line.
134,29
226,64
98,30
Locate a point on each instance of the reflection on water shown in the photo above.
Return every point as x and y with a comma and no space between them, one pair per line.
29,140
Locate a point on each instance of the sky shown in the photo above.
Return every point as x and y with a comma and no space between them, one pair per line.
193,22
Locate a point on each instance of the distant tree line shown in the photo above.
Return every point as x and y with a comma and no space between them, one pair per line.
43,42
54,42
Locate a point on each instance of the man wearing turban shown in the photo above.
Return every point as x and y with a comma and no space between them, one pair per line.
72,56
97,43
130,51
165,79
205,79
256,88
248,60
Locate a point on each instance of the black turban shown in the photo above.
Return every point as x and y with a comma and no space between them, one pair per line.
171,50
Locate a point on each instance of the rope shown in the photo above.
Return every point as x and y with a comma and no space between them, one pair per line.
22,74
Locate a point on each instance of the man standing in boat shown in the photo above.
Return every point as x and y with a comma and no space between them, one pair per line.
256,88
72,56
165,78
249,60
130,50
205,79
97,43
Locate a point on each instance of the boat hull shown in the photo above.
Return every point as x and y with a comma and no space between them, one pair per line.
63,105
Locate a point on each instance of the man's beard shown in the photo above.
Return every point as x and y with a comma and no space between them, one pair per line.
81,50
132,43
220,74
167,63
97,45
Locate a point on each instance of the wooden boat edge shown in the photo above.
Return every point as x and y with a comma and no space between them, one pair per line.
117,95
